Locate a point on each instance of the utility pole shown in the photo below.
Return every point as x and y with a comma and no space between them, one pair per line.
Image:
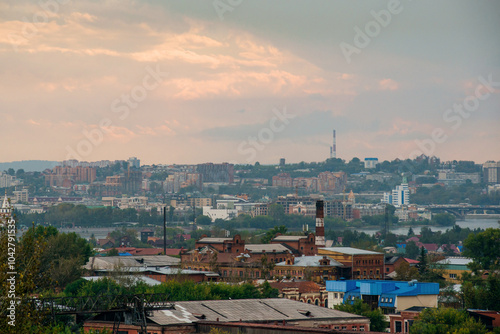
165,230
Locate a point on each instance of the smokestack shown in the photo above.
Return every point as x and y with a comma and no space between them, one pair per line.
334,147
320,224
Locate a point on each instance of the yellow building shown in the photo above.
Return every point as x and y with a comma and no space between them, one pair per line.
454,267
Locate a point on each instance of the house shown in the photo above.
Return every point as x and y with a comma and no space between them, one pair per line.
312,268
145,234
106,243
390,296
393,262
402,321
364,264
454,267
491,319
303,291
245,314
298,244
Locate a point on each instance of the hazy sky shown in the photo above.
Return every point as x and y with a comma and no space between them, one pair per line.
247,80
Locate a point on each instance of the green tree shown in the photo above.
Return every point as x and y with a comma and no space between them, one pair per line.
25,258
203,220
446,321
422,266
268,291
272,233
406,273
411,250
484,249
377,323
113,252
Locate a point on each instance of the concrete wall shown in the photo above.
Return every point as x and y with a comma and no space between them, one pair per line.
404,303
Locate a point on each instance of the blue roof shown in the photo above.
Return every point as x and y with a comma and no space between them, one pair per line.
379,288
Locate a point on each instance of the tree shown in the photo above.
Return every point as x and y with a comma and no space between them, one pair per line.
113,252
484,249
268,291
410,232
406,273
446,320
203,220
272,233
377,323
277,212
422,266
412,250
25,259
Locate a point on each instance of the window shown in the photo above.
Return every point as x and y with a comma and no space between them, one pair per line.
390,300
341,295
335,295
241,273
316,302
371,272
354,328
336,327
387,269
454,276
225,272
398,326
344,327
361,328
257,274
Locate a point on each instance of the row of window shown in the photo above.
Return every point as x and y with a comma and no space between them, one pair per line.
353,328
386,300
368,262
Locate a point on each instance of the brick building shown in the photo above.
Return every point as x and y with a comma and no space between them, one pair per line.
364,264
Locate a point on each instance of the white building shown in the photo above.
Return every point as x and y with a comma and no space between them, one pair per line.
399,196
371,163
224,214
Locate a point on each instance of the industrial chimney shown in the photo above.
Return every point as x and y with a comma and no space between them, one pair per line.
320,224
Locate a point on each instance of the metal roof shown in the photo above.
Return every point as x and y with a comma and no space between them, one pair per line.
214,240
290,237
310,261
349,250
268,248
459,261
255,310
126,280
117,262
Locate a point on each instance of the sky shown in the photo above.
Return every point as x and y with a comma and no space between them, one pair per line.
243,81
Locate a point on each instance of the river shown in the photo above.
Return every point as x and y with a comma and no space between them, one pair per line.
471,223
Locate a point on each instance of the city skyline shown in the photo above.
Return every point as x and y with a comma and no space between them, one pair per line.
246,81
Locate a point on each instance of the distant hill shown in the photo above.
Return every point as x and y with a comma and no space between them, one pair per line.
29,165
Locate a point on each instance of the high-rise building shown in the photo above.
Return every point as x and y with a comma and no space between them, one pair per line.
491,172
220,173
399,196
134,162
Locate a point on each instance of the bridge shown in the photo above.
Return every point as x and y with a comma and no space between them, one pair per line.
460,210
139,305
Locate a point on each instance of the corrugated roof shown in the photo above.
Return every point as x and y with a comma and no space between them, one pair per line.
273,309
126,280
460,261
289,237
349,250
214,240
310,261
268,248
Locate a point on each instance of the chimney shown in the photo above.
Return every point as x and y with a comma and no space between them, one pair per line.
320,224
